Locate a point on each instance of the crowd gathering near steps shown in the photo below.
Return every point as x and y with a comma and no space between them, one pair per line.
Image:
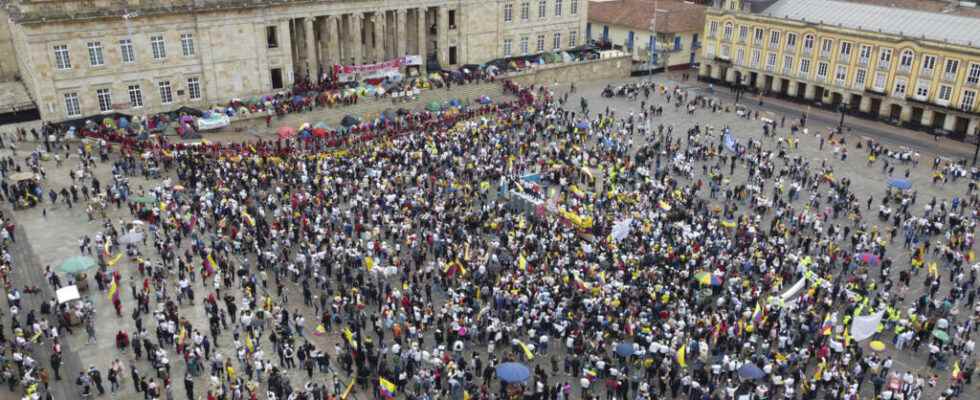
529,248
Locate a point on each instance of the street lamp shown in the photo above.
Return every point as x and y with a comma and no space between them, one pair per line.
976,136
842,107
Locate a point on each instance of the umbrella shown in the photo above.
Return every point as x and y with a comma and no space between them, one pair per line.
321,125
144,199
485,100
869,258
286,132
349,121
707,278
900,184
626,349
320,132
433,106
750,371
513,372
454,102
582,125
131,237
941,335
22,176
77,264
297,99
876,345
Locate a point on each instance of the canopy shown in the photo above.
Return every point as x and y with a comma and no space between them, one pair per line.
320,132
513,372
877,345
286,132
941,335
626,349
349,121
750,371
67,293
900,184
77,264
433,106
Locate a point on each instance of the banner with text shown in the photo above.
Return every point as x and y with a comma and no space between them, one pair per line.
349,73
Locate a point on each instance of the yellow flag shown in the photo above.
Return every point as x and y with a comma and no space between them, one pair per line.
114,260
681,353
522,263
369,263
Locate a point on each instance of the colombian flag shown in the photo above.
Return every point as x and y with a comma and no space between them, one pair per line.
388,389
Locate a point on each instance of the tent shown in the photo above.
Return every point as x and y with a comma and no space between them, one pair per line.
349,121
434,106
67,293
286,132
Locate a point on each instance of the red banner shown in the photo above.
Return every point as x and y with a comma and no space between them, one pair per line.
347,73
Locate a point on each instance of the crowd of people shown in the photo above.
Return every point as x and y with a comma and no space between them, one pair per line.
611,255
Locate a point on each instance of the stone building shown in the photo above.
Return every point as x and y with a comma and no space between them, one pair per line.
84,57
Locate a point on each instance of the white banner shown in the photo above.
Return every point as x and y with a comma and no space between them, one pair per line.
348,73
413,60
864,327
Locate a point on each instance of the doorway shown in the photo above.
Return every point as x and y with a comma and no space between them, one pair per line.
875,107
801,90
938,120
276,78
961,125
916,116
895,113
784,86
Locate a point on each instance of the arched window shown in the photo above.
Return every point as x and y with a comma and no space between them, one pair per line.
808,42
907,57
728,31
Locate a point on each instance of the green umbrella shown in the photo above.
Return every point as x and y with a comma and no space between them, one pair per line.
434,106
144,199
77,264
941,335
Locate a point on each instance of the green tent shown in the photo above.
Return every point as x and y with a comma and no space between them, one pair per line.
434,106
77,264
144,200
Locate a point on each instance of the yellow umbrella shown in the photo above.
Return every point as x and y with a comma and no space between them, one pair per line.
877,345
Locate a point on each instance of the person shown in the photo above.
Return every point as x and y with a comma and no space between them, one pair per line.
96,378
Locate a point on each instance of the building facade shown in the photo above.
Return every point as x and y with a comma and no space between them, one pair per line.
918,68
666,32
82,58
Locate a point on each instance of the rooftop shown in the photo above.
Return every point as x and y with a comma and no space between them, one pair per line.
14,96
675,16
35,11
937,26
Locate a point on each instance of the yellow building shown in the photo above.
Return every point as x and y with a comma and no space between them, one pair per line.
671,27
918,68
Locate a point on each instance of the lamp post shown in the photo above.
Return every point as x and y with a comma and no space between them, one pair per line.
976,136
127,16
842,107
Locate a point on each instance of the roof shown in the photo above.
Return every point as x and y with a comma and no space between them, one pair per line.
942,27
675,16
14,96
936,6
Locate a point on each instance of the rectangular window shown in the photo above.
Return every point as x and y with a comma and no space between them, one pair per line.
523,44
860,76
740,56
728,32
105,99
557,42
271,37
864,55
966,103
808,44
574,7
542,8
922,89
952,66
712,28
540,45
62,60
945,93
126,50
790,40
973,77
899,88
743,32
845,49
558,9
725,51
135,96
508,12
166,95
194,88
187,44
525,11
880,81
758,35
841,75
884,58
787,65
755,57
822,70
804,67
572,38
507,44
95,54
826,45
770,62
928,63
774,39
159,47
72,108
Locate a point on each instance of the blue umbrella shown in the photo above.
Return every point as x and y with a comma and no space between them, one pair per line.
750,371
626,349
454,102
582,125
900,184
513,372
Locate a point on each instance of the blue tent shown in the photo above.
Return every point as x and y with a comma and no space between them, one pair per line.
513,372
900,184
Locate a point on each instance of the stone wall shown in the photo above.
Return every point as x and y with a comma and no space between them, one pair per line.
609,68
8,62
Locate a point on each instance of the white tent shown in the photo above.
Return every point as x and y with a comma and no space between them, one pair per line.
67,293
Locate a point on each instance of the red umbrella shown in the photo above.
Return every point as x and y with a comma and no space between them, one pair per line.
320,132
286,132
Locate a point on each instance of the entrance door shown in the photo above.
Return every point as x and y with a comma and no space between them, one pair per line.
962,124
818,94
276,78
801,90
836,99
753,79
768,83
783,86
855,103
895,114
875,107
938,120
916,116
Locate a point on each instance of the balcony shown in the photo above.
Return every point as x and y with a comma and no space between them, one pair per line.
844,59
972,81
884,66
773,46
949,77
904,69
825,55
863,61
926,74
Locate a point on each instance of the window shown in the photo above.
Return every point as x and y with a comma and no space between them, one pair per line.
159,48
860,76
787,65
508,12
952,67
880,81
135,96
790,40
822,70
187,44
966,103
726,51
808,43
758,35
804,66
905,61
542,9
770,62
922,89
884,58
507,44
557,42
899,88
712,28
523,45
755,57
826,46
928,63
841,75
845,50
61,58
945,93
973,77
728,31
194,88
95,58
740,56
743,32
126,50
72,108
558,8
540,43
574,7
864,55
774,39
271,38
105,99
525,11
572,38
166,96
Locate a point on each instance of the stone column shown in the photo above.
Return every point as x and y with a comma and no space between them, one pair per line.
777,85
442,39
810,92
311,65
906,115
865,105
356,39
323,42
703,69
379,36
927,116
885,110
401,36
793,89
423,35
333,40
950,123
